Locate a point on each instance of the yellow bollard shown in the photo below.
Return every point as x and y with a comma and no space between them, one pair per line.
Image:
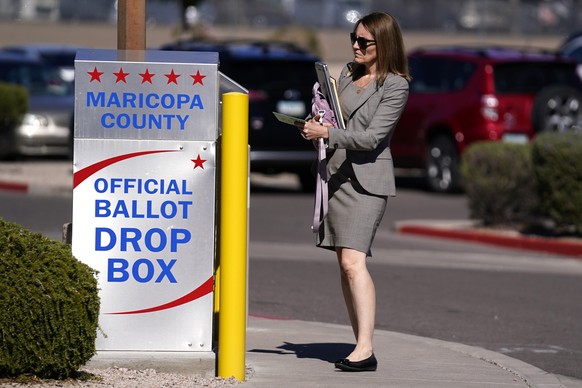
233,237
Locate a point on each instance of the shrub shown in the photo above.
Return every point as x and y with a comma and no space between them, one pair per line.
499,182
49,306
558,168
13,104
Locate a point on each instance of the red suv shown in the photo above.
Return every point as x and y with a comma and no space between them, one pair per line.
460,95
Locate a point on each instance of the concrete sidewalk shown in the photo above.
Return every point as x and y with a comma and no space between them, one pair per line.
290,353
301,354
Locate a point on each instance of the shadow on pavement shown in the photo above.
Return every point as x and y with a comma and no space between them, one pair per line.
329,352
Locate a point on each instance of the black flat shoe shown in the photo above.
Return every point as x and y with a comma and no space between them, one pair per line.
370,364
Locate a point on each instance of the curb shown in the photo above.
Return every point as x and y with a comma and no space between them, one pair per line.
14,187
62,190
529,374
461,231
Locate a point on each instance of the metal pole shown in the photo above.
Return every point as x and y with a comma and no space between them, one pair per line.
233,236
131,17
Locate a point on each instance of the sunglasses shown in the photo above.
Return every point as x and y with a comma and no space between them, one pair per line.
362,42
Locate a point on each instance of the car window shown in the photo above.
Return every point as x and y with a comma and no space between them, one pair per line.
29,76
530,77
438,75
60,59
576,55
261,74
35,78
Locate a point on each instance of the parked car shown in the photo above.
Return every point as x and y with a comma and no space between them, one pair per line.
571,47
47,126
279,78
460,95
59,56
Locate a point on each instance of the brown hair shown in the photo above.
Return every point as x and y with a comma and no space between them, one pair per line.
390,46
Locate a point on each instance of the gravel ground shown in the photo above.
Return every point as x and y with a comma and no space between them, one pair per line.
123,377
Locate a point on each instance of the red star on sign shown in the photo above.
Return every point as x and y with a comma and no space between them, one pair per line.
198,162
120,75
198,78
95,75
172,77
146,77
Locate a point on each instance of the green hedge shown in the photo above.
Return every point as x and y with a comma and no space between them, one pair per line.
49,306
557,159
534,185
498,182
13,104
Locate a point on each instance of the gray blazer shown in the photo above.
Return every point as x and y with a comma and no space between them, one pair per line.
369,129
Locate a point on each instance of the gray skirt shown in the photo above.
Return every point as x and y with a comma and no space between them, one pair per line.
353,214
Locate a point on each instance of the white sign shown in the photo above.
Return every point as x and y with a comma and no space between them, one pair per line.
144,204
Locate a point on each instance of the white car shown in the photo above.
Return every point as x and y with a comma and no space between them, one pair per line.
47,126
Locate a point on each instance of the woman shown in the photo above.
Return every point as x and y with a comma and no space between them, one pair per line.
373,90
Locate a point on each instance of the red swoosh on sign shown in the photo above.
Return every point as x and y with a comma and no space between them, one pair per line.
86,172
204,289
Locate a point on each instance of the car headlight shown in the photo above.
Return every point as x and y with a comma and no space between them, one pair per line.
35,120
32,124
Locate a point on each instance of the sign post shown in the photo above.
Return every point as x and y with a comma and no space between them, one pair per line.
144,198
131,24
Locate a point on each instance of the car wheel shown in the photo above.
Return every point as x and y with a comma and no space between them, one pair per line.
442,169
557,109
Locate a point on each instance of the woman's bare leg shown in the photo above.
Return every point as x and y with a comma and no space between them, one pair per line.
360,297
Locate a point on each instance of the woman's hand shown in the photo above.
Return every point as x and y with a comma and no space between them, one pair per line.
313,130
